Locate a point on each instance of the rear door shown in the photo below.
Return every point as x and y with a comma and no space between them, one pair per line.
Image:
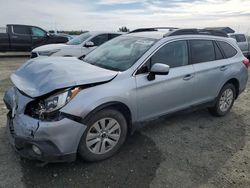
20,38
166,93
39,36
210,69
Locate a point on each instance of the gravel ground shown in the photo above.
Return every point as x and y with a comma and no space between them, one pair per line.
186,150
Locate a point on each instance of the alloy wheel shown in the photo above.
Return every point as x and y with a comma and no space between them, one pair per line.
103,135
226,100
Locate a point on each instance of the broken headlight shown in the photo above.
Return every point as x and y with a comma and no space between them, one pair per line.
57,101
47,108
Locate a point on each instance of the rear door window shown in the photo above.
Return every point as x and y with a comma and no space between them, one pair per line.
21,30
218,53
228,50
202,51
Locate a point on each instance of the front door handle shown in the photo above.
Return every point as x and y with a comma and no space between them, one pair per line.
223,68
188,77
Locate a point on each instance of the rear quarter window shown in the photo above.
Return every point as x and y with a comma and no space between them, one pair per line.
228,50
3,30
22,30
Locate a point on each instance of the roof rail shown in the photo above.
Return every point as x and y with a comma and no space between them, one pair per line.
152,29
225,29
193,31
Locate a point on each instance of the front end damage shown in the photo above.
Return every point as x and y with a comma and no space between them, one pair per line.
48,140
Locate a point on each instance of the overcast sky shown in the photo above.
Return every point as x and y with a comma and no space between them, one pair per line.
112,14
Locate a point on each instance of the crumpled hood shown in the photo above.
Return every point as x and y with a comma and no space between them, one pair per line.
40,76
49,47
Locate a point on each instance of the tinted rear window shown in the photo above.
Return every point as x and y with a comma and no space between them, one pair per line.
240,38
228,50
23,30
3,30
202,51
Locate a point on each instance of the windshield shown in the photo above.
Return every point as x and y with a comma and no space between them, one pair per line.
120,53
79,39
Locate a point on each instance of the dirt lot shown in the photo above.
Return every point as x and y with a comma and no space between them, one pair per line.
186,150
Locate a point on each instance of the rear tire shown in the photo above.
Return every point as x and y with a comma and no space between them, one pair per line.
105,133
224,101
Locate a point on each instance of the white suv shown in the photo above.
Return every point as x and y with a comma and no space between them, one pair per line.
78,46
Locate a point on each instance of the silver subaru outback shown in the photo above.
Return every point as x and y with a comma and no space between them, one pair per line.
62,106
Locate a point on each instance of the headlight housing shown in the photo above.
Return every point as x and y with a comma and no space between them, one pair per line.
48,107
55,102
58,100
48,53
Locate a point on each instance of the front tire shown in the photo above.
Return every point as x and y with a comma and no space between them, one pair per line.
105,133
224,101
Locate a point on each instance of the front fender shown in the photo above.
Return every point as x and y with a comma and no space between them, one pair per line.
91,98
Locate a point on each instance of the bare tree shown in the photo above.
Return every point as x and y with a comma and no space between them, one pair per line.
123,29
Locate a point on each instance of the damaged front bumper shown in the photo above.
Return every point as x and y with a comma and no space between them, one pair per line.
48,141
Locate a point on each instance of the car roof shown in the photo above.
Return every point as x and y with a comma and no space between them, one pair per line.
104,32
188,32
149,34
230,34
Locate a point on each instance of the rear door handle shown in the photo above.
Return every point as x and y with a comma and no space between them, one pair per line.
14,37
223,68
188,77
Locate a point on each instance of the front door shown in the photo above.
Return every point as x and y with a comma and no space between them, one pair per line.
166,93
39,37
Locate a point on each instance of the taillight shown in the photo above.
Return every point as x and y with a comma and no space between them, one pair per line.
246,62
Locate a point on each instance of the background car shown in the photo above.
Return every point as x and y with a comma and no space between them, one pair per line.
242,42
77,47
24,38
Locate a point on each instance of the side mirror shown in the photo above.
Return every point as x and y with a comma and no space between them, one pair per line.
158,69
48,35
82,57
89,44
